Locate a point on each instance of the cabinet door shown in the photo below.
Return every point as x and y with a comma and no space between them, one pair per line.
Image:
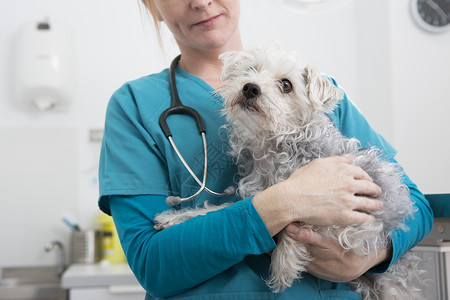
437,276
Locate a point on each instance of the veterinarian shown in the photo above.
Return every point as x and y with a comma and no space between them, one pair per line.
226,254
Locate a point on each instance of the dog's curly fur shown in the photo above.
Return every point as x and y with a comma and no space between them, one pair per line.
283,127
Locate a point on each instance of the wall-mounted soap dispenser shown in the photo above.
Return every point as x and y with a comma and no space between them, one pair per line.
45,66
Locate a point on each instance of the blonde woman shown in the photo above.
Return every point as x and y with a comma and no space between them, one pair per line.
223,255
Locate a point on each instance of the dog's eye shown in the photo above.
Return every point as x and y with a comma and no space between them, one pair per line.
286,86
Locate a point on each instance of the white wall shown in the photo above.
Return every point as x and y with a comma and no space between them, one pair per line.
111,47
392,69
421,92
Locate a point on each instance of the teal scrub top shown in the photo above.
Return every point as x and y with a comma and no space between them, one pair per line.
220,255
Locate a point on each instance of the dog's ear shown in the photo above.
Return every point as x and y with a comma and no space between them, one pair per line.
230,60
321,91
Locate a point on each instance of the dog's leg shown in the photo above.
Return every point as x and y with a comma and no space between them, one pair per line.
402,281
289,261
172,217
365,285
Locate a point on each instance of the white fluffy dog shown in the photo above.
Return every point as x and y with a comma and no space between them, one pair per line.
276,109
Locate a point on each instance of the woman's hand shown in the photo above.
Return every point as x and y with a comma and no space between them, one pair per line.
331,187
331,262
325,192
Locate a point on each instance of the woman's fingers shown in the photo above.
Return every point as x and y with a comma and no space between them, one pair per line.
305,235
364,184
367,204
367,188
331,261
356,217
356,210
360,174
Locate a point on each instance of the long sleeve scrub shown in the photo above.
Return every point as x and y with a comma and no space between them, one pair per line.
220,255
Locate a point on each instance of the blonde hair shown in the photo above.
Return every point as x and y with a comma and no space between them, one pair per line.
150,6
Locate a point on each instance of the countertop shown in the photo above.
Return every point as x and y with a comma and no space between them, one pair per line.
97,275
120,275
440,204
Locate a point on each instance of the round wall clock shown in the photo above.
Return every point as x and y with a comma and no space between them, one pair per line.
431,15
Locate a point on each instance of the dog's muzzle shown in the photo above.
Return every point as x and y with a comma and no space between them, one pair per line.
251,91
250,94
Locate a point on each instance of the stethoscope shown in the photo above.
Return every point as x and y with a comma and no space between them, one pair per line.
176,107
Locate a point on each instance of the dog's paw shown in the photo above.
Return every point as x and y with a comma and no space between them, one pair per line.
161,226
166,220
173,217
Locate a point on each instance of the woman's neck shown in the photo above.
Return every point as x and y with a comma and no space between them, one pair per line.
208,69
205,64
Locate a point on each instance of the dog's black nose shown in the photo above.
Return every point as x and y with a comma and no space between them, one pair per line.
251,90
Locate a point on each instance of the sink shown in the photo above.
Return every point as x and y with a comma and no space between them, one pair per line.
28,283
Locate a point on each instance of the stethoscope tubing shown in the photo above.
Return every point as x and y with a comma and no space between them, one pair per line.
177,107
205,168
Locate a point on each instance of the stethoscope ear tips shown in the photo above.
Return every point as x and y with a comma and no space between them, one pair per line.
173,200
230,191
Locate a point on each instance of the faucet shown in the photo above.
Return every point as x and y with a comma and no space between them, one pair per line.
62,255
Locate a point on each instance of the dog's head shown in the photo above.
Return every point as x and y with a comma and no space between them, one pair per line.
267,89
